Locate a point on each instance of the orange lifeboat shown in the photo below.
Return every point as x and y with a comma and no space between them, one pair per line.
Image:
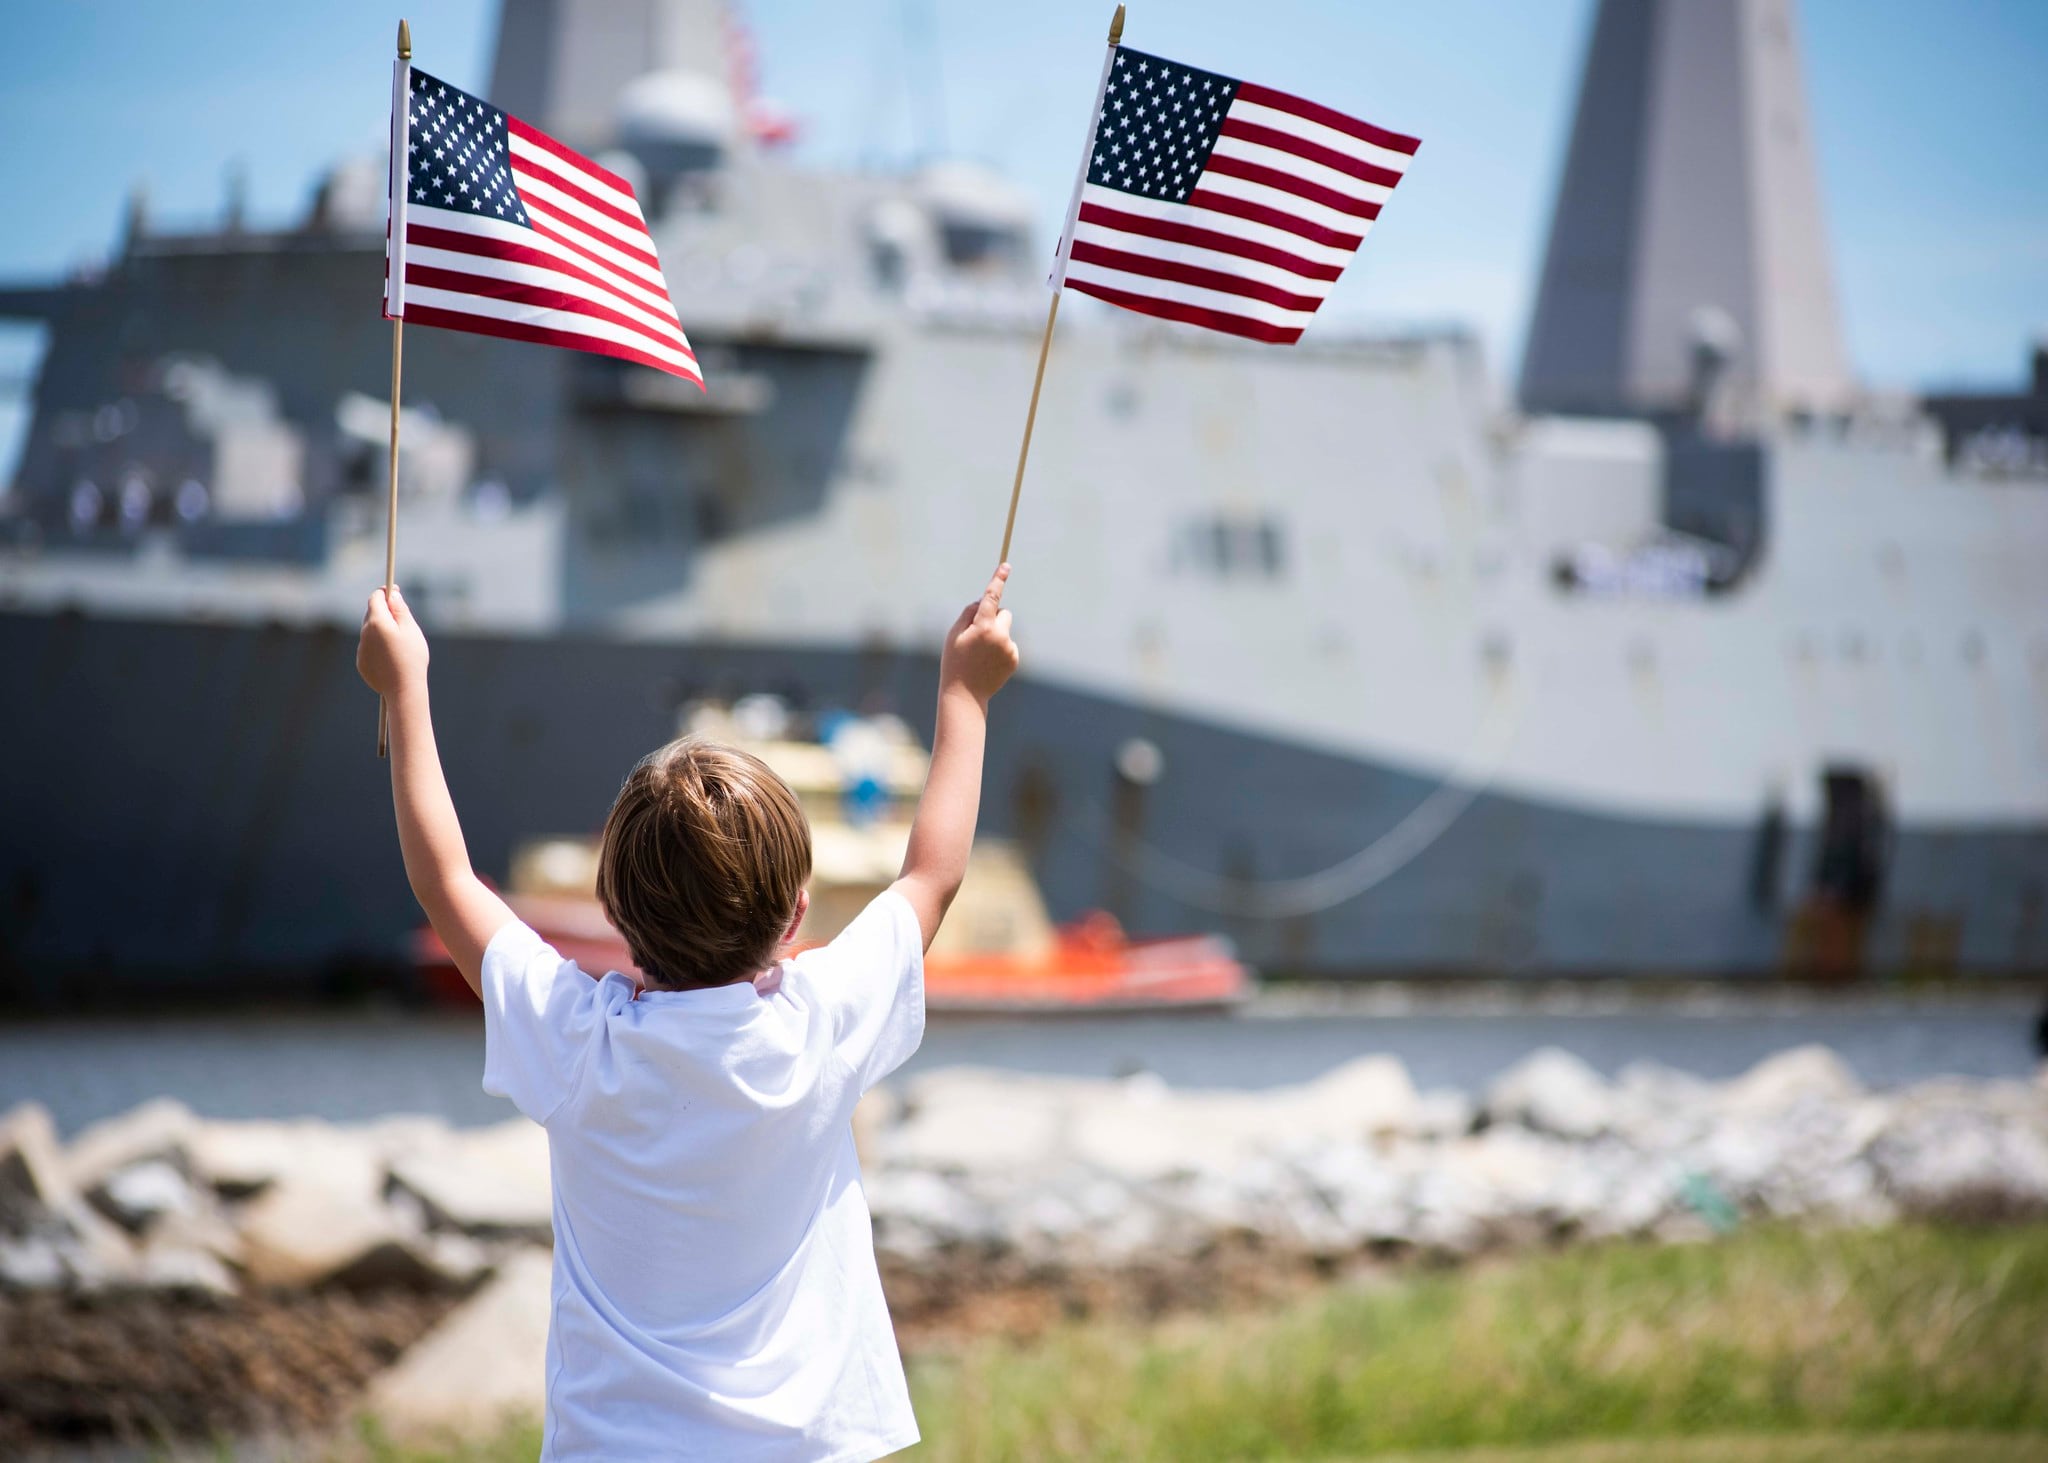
998,950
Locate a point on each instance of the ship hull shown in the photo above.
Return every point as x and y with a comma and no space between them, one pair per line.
198,809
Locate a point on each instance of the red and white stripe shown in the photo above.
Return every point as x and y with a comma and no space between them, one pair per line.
1286,197
584,275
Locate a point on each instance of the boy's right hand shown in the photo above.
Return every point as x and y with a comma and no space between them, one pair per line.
980,655
392,653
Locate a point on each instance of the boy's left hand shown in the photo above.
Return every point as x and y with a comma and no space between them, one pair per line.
392,652
979,654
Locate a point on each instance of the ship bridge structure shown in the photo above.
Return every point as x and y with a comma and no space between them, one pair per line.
1688,250
572,67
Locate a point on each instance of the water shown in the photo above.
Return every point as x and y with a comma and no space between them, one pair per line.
355,1067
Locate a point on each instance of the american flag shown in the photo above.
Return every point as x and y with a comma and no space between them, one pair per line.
500,229
1221,203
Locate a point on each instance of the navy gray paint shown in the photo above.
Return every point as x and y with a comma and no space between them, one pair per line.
196,808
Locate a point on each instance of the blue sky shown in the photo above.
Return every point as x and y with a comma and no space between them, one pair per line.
1932,123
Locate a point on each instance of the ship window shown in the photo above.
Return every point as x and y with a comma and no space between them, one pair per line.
714,518
1235,545
1269,554
972,247
1222,543
86,504
642,513
891,268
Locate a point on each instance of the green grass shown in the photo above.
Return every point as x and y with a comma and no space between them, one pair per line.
521,1445
1909,1345
1772,1332
1811,1448
518,1443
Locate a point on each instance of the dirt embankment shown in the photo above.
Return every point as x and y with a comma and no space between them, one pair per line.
149,1368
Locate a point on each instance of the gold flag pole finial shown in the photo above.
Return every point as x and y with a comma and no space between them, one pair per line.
405,35
1116,26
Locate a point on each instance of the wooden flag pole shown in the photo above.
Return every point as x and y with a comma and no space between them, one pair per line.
1030,419
391,514
1052,313
397,372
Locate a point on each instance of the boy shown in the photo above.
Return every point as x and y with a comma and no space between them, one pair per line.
715,1290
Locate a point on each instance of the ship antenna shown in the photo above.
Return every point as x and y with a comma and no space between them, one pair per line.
398,104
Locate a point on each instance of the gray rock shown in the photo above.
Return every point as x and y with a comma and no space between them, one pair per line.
1144,1138
458,1261
1508,1186
1524,1173
1285,1209
480,1368
1946,1156
1443,1112
204,1229
1086,1216
1804,1155
159,1129
492,1182
1447,1209
1370,1096
1637,1192
1366,1192
96,1253
1652,1084
43,1214
917,1212
300,1235
1552,1091
138,1196
969,1121
877,1112
31,1263
1196,1209
2020,1102
242,1159
176,1270
33,1179
1660,1108
1805,1073
1064,1171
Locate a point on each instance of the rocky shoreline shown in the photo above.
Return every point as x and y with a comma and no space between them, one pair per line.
164,1275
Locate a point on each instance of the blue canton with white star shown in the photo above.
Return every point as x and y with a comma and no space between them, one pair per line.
1159,122
461,155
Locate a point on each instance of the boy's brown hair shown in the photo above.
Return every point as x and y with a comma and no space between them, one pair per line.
704,855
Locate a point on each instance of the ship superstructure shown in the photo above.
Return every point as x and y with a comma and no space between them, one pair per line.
1700,662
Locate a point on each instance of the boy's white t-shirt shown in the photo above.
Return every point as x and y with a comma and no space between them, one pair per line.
715,1290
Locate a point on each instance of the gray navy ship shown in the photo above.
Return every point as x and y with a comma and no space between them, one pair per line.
1698,659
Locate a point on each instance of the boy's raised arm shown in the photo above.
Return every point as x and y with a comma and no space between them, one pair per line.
979,657
392,657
